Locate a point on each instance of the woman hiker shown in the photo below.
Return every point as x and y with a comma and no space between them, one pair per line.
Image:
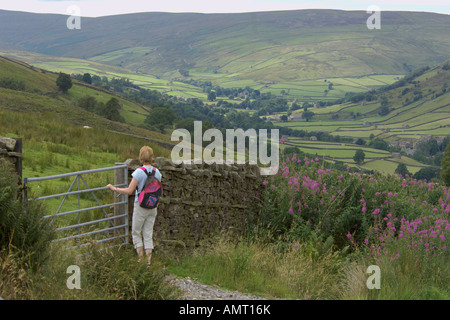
143,219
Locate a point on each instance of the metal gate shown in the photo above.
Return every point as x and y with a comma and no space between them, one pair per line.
118,222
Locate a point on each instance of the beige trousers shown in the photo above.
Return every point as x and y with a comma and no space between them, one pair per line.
142,226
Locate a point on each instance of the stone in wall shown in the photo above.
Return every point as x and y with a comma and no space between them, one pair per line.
11,150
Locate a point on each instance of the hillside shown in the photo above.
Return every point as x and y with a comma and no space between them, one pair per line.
81,66
234,50
416,109
39,95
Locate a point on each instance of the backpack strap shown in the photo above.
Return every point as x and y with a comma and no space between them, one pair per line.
147,173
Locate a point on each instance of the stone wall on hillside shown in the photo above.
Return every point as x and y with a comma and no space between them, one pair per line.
200,200
11,150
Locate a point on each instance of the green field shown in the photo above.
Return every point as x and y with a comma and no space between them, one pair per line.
306,90
410,117
79,66
375,159
428,115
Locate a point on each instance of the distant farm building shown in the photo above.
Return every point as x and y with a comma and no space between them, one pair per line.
296,117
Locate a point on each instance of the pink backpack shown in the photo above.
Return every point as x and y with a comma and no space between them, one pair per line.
149,196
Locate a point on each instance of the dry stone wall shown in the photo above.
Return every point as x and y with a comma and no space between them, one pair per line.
11,150
200,200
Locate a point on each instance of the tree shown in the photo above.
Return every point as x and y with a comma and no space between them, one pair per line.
433,147
64,82
445,164
111,110
384,109
307,105
427,173
359,156
186,123
87,78
379,143
89,103
160,116
295,106
402,169
308,115
212,96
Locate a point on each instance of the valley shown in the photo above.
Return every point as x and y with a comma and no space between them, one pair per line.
341,72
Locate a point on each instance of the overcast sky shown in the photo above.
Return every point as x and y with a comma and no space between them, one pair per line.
94,8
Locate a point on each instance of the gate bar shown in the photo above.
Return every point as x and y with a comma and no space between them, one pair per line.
83,224
71,174
73,192
85,209
76,236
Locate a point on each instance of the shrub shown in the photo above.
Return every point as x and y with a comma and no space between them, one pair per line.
13,84
115,274
304,197
359,156
22,229
64,82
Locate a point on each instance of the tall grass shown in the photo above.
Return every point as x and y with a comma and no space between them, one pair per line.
22,230
105,274
252,266
59,136
108,274
33,268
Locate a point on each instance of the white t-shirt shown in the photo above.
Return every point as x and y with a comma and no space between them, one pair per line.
141,177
